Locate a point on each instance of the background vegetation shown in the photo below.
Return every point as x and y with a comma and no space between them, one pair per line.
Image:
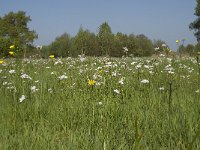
14,31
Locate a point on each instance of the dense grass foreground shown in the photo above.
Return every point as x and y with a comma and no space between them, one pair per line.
135,103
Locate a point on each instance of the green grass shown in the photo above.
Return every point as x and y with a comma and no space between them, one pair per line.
70,114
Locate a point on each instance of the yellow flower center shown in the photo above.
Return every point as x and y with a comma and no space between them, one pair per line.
91,82
11,53
12,46
51,56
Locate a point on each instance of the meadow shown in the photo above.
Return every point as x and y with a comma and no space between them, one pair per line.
100,103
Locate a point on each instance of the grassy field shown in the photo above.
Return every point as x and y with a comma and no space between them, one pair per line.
100,104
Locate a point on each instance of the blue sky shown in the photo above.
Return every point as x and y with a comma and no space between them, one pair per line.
166,20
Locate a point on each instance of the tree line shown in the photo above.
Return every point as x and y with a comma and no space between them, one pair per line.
104,43
14,31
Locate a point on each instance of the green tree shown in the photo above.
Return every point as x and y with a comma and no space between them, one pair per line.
132,45
158,46
195,25
86,43
197,47
105,39
145,46
14,31
61,46
92,47
189,49
181,49
121,41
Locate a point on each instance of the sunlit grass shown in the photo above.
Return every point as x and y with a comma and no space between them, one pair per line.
100,103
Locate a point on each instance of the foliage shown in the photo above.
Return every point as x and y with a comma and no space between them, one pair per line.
105,39
188,49
60,47
104,43
195,25
197,47
14,31
85,43
145,45
158,45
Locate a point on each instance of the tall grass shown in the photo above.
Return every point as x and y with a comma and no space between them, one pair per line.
64,112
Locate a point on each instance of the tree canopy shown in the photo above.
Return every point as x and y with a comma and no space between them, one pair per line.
195,25
103,43
14,31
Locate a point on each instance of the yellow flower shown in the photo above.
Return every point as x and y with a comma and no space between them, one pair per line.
1,61
100,71
51,56
177,41
11,53
198,53
91,82
12,46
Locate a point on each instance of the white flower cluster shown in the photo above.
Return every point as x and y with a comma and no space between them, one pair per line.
62,77
25,76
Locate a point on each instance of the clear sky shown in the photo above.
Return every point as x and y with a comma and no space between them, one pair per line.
166,20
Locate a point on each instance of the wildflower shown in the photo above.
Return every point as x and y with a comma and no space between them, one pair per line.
82,57
125,49
114,74
5,83
58,62
11,88
99,103
164,45
157,48
91,82
121,81
162,55
151,72
22,98
133,63
177,41
12,71
116,91
161,88
145,81
1,61
25,76
171,72
169,59
146,66
63,77
51,56
138,66
34,89
11,53
50,90
100,71
12,46
99,83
